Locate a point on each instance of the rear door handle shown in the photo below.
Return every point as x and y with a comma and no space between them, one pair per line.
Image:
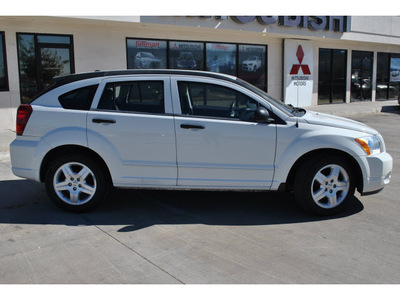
109,121
190,126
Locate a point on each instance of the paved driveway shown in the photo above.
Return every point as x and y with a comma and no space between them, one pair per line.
200,237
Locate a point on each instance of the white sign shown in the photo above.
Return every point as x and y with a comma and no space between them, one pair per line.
298,72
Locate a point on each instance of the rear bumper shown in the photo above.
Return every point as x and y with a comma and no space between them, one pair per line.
380,171
26,157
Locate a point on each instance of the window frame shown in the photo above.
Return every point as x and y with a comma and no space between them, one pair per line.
3,40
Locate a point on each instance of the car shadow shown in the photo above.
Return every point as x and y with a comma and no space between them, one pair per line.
26,202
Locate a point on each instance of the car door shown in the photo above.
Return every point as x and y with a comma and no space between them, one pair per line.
218,142
131,126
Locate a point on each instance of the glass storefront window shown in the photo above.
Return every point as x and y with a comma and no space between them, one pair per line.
361,76
252,61
186,55
382,76
40,59
332,76
3,64
388,76
221,58
27,67
146,54
394,76
248,62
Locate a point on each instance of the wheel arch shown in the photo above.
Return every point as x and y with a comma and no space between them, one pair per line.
81,150
312,154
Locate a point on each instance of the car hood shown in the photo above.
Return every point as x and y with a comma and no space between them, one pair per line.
338,122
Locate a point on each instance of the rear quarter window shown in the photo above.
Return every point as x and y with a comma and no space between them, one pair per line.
79,99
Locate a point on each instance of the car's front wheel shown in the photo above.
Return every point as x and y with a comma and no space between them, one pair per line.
324,185
76,182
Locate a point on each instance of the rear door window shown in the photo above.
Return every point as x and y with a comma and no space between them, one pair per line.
136,96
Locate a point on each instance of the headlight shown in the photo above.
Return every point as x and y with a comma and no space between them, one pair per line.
370,144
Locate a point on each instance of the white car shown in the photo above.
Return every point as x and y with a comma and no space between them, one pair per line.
252,64
177,129
146,60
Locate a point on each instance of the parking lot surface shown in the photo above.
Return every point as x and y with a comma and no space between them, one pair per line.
188,237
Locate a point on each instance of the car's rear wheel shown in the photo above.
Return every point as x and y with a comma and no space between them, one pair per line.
324,185
76,182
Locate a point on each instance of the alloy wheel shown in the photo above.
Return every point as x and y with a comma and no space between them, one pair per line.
330,186
74,183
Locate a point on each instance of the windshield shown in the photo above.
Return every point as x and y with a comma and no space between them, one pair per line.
146,54
287,109
187,56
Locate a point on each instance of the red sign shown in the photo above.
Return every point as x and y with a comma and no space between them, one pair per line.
296,68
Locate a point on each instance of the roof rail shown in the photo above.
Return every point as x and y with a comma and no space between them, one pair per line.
62,80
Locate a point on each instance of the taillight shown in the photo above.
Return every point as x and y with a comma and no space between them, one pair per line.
23,114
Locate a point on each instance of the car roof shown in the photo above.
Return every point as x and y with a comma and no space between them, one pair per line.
62,80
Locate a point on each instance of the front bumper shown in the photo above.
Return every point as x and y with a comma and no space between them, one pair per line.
379,172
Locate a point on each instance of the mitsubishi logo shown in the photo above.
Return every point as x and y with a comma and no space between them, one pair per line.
296,68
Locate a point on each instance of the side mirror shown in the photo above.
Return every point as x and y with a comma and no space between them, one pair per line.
261,115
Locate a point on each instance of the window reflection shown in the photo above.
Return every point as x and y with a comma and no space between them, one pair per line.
361,76
388,76
3,67
332,76
41,58
221,58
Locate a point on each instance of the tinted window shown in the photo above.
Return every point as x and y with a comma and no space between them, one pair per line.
140,96
202,99
40,59
3,65
78,99
332,76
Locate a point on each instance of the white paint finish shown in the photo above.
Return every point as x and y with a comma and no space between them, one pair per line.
225,153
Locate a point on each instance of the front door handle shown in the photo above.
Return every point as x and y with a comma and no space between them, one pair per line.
109,121
190,126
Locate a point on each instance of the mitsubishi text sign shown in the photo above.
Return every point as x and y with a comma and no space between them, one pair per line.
298,72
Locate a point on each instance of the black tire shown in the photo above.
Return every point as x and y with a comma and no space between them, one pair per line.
76,182
324,185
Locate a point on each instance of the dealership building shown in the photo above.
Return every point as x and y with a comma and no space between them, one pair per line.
301,60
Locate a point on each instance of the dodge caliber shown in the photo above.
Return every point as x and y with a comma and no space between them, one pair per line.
174,129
